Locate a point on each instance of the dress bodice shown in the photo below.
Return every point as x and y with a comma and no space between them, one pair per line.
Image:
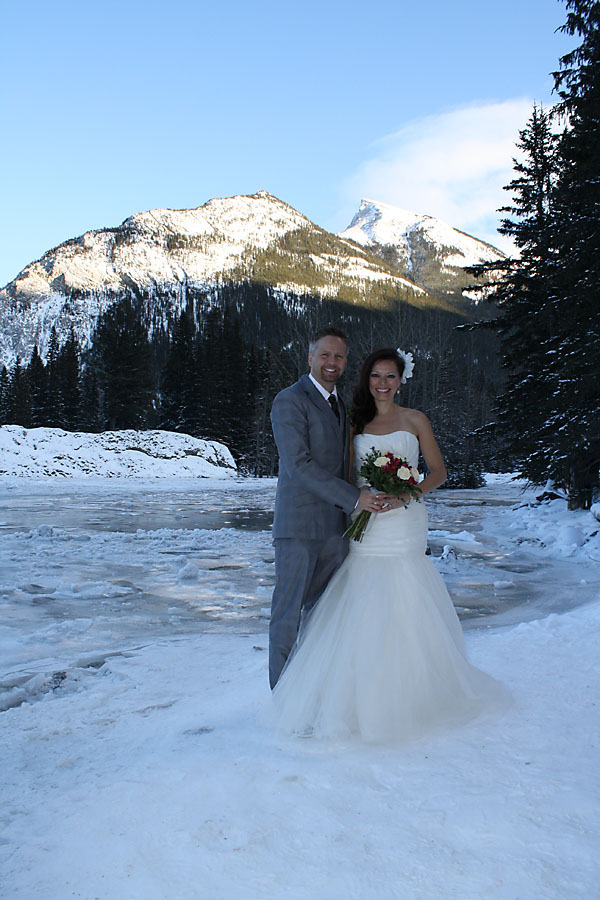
398,531
400,443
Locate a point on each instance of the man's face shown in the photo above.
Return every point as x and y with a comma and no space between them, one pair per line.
328,361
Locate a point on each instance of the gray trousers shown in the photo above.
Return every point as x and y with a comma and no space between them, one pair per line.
302,570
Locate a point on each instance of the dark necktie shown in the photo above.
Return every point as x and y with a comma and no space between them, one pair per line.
334,405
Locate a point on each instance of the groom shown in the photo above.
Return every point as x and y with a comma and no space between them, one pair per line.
313,496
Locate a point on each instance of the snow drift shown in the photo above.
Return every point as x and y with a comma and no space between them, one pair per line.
34,452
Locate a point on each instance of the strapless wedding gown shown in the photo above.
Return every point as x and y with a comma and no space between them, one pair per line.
382,654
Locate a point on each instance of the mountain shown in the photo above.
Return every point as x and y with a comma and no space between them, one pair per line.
165,257
426,250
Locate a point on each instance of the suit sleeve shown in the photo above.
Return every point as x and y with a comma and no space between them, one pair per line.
290,429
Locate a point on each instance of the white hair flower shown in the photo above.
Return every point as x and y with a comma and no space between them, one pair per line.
409,364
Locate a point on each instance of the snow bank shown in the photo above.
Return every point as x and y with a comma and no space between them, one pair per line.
36,452
492,478
547,525
557,531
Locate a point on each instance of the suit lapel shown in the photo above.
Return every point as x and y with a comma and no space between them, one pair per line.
313,395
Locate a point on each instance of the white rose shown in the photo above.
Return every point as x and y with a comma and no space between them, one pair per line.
381,461
415,473
403,473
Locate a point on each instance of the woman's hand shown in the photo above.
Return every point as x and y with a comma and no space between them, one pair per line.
396,502
370,501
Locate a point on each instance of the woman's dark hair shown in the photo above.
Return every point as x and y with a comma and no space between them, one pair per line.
363,404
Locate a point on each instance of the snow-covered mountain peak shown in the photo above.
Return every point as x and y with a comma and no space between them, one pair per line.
381,222
255,219
391,226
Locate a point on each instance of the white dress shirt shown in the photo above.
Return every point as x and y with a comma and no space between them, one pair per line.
323,391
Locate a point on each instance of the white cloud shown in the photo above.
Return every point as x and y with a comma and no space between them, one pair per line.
452,165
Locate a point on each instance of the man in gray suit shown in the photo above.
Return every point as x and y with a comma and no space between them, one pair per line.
313,496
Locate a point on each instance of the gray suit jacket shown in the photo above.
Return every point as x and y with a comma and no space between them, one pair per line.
313,496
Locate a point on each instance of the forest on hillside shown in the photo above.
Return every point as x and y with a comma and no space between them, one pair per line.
214,370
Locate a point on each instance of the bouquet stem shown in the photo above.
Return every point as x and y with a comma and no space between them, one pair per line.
358,527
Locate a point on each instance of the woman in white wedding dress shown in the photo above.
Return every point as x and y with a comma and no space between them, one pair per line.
382,654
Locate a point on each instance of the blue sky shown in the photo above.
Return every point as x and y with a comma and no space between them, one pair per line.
111,108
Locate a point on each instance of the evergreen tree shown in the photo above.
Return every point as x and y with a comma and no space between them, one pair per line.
53,412
548,298
456,416
569,450
211,397
121,360
179,380
67,375
89,401
260,456
19,389
520,287
38,389
206,388
5,397
236,401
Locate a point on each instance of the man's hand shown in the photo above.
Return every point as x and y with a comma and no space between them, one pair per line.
370,501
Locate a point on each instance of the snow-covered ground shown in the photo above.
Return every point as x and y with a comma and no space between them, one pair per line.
52,452
137,754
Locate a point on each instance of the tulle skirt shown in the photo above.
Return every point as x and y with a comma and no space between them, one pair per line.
382,654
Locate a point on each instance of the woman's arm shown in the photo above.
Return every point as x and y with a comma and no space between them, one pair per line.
431,455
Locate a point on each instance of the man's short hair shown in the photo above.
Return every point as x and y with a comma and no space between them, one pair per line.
328,331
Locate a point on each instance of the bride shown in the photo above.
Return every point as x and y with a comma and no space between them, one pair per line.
382,654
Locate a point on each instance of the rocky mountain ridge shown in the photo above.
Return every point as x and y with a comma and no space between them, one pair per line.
162,257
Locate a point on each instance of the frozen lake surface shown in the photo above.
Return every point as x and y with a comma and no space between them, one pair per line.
89,566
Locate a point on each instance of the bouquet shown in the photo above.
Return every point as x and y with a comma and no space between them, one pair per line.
389,474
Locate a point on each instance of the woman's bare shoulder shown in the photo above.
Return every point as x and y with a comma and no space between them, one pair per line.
415,418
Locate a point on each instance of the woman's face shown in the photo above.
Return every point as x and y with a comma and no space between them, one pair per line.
384,379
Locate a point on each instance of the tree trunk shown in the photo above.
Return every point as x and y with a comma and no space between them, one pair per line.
581,486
